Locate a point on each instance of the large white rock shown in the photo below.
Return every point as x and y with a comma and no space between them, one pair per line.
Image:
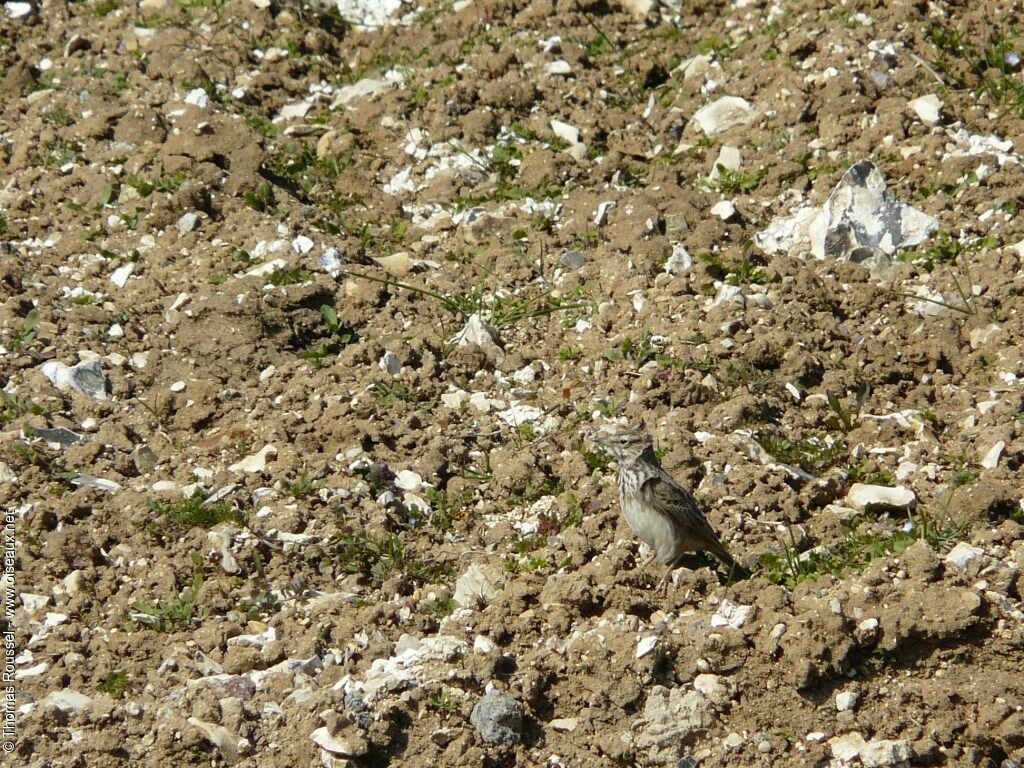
408,480
257,462
390,363
86,378
731,615
860,219
478,332
861,213
846,700
927,108
723,114
336,744
729,159
862,496
991,459
474,588
885,752
847,747
639,8
962,555
67,700
646,645
680,261
670,721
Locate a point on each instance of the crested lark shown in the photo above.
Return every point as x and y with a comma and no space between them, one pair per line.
662,513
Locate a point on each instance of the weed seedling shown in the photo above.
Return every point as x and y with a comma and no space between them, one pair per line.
175,614
193,512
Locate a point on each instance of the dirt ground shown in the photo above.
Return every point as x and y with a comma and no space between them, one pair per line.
343,288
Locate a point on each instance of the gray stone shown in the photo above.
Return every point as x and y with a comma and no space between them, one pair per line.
59,436
86,378
189,222
498,719
571,259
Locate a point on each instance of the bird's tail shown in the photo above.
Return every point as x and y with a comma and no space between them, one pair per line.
736,571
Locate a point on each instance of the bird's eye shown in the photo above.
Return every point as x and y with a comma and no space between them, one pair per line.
623,439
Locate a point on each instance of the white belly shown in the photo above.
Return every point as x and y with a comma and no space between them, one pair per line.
655,530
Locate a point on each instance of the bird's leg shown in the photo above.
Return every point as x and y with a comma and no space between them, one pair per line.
663,584
648,561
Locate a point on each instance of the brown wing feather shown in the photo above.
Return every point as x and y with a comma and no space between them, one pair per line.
672,500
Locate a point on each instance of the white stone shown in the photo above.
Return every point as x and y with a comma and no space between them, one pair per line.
732,741
257,462
520,413
362,89
646,645
188,222
88,481
927,108
731,615
729,159
862,207
390,363
294,110
846,700
476,331
267,268
369,14
33,603
67,700
695,67
991,458
302,244
639,8
723,114
559,67
565,131
474,588
564,724
724,209
847,747
860,213
198,98
398,264
86,378
334,744
408,480
18,10
861,496
680,261
962,555
482,644
119,276
884,752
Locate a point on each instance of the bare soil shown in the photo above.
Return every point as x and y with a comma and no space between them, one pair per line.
326,584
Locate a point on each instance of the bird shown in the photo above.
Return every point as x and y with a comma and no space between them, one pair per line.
660,512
